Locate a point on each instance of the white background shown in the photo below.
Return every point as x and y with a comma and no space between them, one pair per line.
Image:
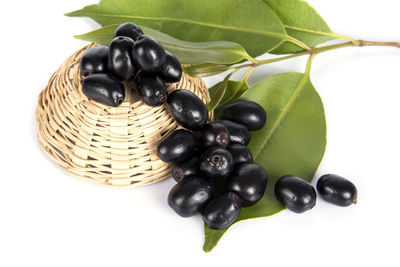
48,218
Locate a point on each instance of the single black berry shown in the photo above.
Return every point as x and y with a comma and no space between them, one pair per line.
213,134
238,133
171,71
94,60
104,89
187,109
337,190
148,54
130,30
240,154
176,147
248,113
216,163
190,195
222,211
186,168
248,182
120,61
151,88
295,193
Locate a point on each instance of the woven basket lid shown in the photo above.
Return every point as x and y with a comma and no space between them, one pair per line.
115,146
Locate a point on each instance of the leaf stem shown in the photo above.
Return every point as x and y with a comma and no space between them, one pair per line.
298,43
239,88
319,50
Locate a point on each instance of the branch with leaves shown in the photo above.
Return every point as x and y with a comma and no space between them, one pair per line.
212,37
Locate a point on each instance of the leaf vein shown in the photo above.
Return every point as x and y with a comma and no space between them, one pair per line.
248,30
282,116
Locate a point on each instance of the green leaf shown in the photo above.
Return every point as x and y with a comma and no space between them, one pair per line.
302,22
219,52
204,70
234,89
251,24
219,93
292,142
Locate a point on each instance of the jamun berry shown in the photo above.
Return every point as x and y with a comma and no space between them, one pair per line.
94,60
247,113
151,88
216,163
187,109
148,54
240,154
213,134
295,193
104,89
222,211
337,190
186,168
176,147
248,182
238,133
120,61
190,195
171,71
130,30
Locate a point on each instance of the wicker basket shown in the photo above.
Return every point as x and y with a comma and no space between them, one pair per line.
107,145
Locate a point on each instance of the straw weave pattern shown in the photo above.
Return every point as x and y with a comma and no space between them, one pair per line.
114,146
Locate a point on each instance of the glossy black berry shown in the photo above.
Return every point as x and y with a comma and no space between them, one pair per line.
216,163
187,109
240,154
248,182
94,60
130,30
238,133
337,190
151,88
148,54
104,89
186,168
176,147
213,134
295,193
247,113
190,195
120,61
222,211
171,71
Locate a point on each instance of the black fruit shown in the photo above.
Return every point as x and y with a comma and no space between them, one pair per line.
94,60
151,88
176,147
222,211
171,71
295,193
237,132
240,154
213,134
247,113
216,163
186,168
187,109
120,61
189,196
148,54
248,182
337,190
103,88
130,30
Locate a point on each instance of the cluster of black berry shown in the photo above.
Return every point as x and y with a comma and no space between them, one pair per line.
214,169
130,56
